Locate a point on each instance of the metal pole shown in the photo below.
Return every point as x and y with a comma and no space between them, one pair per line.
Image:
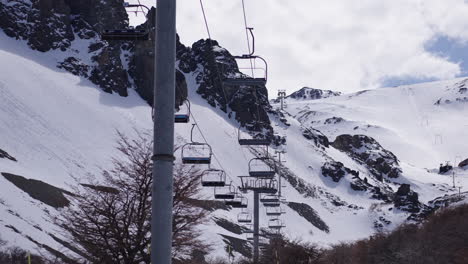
453,177
256,227
164,97
279,175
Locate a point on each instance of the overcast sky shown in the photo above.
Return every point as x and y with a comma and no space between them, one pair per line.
339,45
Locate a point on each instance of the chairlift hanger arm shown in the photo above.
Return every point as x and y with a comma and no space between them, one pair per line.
127,4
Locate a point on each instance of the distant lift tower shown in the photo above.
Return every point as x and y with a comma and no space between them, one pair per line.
281,96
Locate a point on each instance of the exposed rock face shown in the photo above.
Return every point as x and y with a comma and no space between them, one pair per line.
406,199
5,155
445,168
318,137
336,170
457,94
54,24
463,163
248,105
306,93
39,190
116,66
310,215
368,151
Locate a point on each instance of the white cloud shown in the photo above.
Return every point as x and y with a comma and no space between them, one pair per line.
334,44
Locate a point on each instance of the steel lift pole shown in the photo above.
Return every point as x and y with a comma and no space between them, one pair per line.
164,103
256,233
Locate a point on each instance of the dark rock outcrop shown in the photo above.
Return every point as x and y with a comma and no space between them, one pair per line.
320,140
406,199
306,93
116,66
5,155
368,151
229,226
54,24
445,168
336,170
310,215
238,245
40,190
463,163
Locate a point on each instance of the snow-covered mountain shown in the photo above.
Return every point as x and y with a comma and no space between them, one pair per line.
355,163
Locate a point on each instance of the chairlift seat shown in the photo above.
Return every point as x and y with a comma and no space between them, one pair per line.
182,118
224,196
244,217
254,142
271,204
262,174
248,231
213,183
245,81
125,34
269,199
196,160
236,204
278,213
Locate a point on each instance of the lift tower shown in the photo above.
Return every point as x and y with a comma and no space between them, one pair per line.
281,96
164,103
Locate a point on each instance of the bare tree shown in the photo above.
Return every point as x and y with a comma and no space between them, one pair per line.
110,220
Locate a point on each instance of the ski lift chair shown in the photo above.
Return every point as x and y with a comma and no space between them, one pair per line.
260,185
184,117
226,192
274,211
238,202
251,141
275,224
196,153
270,198
247,229
273,204
244,217
127,33
245,80
213,178
259,168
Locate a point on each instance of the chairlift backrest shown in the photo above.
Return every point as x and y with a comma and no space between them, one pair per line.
213,178
245,80
251,141
183,117
224,193
127,33
258,167
196,153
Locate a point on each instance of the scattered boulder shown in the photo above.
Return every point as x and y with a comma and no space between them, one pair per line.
318,137
368,151
40,190
336,170
445,168
407,200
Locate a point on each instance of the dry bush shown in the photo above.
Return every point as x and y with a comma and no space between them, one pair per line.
110,220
